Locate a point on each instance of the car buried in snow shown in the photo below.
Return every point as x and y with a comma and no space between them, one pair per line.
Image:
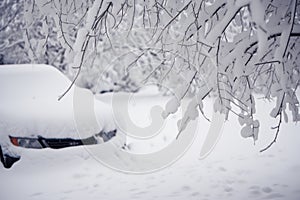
33,116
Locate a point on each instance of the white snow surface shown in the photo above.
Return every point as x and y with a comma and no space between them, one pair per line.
234,170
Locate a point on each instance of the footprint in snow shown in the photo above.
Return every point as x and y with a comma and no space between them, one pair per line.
228,189
77,176
222,169
254,187
36,194
266,189
195,194
186,188
255,190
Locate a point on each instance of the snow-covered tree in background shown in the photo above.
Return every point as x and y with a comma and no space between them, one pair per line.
228,49
10,34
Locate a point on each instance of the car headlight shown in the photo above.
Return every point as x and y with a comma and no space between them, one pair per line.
26,142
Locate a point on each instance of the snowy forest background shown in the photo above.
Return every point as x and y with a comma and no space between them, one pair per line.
232,50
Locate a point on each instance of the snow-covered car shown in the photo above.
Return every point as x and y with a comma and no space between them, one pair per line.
31,116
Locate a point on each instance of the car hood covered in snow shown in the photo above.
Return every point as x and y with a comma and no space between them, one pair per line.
29,104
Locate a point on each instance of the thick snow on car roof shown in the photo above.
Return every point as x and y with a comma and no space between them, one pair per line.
29,103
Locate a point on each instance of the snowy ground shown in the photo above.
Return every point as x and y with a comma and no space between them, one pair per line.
234,170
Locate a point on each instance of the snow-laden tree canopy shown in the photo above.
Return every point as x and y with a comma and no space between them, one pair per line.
228,49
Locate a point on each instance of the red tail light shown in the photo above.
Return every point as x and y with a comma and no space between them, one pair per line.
14,141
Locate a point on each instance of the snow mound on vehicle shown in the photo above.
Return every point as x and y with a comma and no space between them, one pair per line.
29,104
